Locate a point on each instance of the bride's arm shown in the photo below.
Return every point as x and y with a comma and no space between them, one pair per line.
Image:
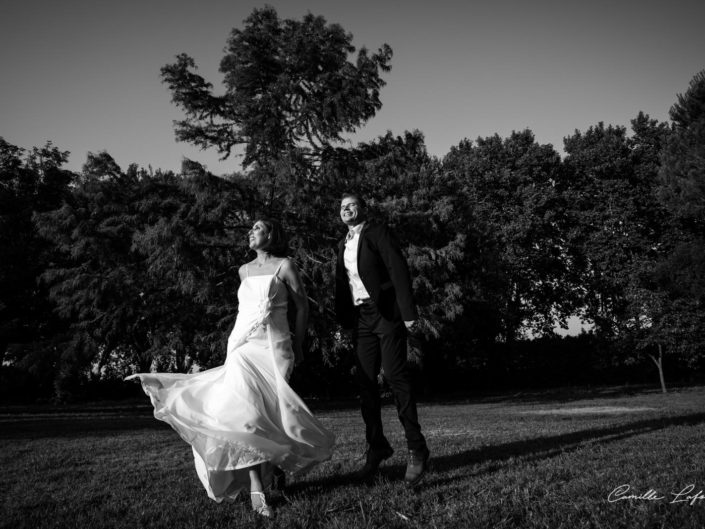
292,278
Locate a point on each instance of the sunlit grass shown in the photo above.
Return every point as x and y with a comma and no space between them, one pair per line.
525,460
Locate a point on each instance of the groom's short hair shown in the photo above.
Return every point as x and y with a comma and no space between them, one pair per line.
358,198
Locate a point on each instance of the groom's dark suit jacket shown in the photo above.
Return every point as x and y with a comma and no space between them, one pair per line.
383,271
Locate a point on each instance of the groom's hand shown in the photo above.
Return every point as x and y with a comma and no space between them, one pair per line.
414,332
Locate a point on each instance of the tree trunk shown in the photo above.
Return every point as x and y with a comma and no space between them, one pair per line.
659,365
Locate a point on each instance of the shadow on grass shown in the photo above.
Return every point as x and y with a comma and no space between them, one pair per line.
526,451
540,448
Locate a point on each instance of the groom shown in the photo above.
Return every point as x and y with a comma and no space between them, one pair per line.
373,298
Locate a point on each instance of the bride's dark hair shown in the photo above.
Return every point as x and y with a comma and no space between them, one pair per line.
278,241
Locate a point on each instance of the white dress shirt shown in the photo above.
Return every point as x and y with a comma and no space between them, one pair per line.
358,290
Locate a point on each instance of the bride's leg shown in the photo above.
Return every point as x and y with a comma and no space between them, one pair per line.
259,503
255,479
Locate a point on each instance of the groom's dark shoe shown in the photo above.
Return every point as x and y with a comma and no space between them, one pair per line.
417,466
374,459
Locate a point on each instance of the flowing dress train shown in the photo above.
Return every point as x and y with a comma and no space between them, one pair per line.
244,412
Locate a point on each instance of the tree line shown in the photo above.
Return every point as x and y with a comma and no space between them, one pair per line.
107,271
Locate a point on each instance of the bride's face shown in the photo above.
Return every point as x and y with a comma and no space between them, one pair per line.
258,236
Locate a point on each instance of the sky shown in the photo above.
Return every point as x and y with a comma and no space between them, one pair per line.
84,74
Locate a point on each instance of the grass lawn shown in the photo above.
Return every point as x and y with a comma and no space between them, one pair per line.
548,459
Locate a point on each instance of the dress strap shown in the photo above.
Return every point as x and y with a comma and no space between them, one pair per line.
276,272
247,269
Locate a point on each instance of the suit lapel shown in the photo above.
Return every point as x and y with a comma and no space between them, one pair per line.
359,244
341,250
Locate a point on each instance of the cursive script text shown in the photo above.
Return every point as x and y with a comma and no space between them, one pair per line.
621,493
686,496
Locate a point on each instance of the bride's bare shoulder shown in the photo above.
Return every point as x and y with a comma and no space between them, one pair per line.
242,271
286,264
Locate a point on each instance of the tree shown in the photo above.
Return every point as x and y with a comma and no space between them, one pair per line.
683,173
290,89
666,322
508,210
678,277
30,183
628,244
148,270
683,176
613,224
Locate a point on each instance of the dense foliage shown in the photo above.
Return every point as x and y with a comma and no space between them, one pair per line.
105,272
290,90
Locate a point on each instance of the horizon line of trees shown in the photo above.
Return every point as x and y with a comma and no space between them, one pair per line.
107,271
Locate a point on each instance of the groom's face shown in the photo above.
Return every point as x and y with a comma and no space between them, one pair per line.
351,212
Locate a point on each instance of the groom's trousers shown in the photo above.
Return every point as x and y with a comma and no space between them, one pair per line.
381,342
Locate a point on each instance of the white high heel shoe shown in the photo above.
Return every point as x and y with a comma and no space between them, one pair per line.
259,504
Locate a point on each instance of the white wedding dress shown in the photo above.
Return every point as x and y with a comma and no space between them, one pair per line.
244,412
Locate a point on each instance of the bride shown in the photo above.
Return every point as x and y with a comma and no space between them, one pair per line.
242,419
